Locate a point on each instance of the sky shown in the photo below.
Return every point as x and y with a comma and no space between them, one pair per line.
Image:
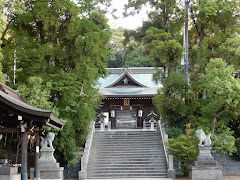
131,22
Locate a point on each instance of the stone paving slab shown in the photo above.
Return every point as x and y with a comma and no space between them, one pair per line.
134,179
224,178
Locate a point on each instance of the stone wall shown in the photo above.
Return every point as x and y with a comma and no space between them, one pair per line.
72,172
230,166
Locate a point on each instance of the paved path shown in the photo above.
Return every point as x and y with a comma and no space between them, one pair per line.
224,178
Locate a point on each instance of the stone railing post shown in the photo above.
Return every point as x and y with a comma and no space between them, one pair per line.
171,171
152,126
144,125
102,126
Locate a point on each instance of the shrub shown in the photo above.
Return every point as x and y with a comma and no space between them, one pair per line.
184,149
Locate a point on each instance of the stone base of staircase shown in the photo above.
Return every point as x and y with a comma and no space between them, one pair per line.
133,179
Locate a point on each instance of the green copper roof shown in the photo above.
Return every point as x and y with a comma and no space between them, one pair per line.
142,77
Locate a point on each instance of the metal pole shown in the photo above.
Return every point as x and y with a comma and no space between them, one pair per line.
24,174
14,66
186,64
36,162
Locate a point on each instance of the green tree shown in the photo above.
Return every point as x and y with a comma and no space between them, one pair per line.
2,25
215,21
64,44
161,33
118,50
221,89
224,141
184,149
37,93
230,51
162,49
166,15
136,58
169,101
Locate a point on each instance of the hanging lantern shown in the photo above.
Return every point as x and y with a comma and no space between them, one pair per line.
19,117
113,113
140,113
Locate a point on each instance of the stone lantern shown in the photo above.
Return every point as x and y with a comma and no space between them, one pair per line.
152,120
101,121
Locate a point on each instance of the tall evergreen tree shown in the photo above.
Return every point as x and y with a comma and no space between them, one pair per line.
65,44
2,25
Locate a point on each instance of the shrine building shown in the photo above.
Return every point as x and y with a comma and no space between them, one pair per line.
128,96
18,118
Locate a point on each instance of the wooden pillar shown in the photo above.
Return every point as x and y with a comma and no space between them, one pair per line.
24,174
36,160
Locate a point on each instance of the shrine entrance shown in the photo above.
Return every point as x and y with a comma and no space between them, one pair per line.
126,117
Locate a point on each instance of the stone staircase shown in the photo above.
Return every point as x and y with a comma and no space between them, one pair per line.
127,154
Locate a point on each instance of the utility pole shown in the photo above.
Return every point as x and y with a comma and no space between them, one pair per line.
186,63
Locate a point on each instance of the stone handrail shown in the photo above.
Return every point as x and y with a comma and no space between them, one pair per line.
169,158
85,157
159,125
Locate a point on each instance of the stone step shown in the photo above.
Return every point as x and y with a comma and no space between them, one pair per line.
129,150
117,141
127,154
127,142
126,171
127,132
125,165
137,139
128,146
126,137
129,178
125,148
132,168
133,162
119,175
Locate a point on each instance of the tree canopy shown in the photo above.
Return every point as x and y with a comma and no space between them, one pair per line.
211,99
67,46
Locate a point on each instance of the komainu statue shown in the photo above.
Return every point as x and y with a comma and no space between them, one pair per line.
203,138
47,141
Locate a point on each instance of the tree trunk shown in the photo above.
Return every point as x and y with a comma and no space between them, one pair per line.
201,36
214,120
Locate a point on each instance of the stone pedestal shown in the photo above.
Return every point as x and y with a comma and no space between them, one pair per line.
48,166
206,168
9,173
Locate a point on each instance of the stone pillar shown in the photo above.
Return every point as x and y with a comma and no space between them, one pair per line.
48,166
152,125
144,125
102,127
206,168
171,170
24,174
